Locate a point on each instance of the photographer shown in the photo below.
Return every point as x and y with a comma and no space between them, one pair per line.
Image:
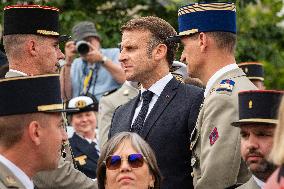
96,71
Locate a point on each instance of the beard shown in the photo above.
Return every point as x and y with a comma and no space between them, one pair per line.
261,169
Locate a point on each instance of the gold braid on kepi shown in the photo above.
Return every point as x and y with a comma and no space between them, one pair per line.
205,17
32,19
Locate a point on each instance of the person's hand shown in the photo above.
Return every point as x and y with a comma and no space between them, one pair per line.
94,55
70,52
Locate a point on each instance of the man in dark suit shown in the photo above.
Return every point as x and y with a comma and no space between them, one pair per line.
165,111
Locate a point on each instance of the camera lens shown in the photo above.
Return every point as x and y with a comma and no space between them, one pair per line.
82,47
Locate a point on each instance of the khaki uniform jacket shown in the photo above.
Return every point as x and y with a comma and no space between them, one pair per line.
251,184
8,179
107,106
216,158
65,176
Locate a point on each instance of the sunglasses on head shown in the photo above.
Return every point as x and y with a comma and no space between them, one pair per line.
134,160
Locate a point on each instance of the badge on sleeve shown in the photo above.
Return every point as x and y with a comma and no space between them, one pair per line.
226,86
214,135
81,159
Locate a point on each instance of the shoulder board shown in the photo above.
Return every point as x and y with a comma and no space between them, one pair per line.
226,86
110,92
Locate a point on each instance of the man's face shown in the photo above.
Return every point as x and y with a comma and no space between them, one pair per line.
95,42
49,55
258,83
256,144
84,122
136,62
191,55
53,137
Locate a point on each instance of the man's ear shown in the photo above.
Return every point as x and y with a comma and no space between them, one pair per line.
203,41
34,131
31,47
160,52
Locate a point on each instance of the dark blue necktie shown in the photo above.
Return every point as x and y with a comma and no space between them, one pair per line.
140,119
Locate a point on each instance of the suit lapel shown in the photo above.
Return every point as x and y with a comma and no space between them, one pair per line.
164,99
129,113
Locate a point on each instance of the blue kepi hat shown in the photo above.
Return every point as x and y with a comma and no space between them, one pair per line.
206,17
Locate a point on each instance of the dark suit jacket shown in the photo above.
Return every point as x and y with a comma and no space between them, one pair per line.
167,129
81,147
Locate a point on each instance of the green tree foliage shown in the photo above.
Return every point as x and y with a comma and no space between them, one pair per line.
259,36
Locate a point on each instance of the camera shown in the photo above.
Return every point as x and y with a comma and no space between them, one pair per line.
82,47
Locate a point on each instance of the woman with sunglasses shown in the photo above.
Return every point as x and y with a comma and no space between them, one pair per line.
127,161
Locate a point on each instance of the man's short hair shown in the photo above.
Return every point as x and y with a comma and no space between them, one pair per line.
12,127
160,30
13,43
225,40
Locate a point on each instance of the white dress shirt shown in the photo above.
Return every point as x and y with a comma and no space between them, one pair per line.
25,180
259,182
218,74
19,72
157,88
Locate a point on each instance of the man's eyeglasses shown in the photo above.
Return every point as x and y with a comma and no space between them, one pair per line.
134,160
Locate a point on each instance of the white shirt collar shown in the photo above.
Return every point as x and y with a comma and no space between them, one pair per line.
159,86
132,84
25,180
19,72
218,74
259,182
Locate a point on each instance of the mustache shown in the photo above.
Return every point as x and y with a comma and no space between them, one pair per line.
254,152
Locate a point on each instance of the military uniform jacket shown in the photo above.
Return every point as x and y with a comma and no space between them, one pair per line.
108,104
8,179
167,130
251,184
85,155
216,158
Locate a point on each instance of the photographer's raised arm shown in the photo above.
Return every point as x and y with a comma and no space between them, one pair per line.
65,79
96,56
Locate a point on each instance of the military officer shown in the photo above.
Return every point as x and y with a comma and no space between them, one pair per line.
254,71
31,40
208,34
31,128
83,142
257,123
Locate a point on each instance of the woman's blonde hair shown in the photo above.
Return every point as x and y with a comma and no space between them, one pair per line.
277,152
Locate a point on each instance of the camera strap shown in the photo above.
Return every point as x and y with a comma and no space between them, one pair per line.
93,71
